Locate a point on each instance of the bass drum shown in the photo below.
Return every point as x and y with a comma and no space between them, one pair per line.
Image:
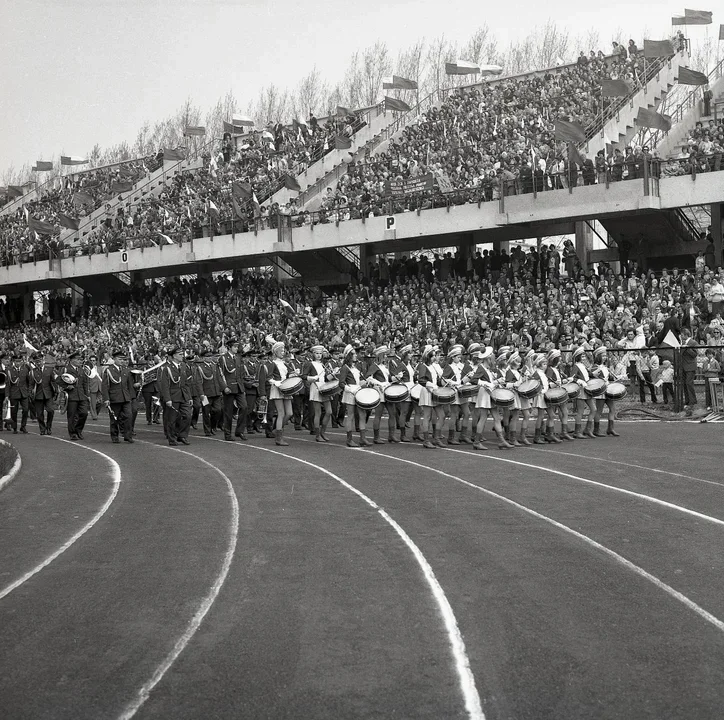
502,397
556,396
367,398
529,388
397,392
615,391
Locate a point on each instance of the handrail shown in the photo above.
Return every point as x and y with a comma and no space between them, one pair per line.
691,99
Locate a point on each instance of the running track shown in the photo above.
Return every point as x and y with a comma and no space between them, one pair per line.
582,580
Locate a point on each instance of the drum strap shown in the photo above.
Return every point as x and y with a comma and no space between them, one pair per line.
282,367
584,373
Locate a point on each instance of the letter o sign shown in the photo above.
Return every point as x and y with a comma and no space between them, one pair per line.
124,257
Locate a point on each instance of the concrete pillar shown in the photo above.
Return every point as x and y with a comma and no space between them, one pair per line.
204,271
584,243
364,260
717,230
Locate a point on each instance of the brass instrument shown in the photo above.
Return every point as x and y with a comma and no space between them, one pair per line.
261,407
3,380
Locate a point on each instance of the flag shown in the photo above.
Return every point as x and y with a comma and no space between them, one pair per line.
670,340
570,131
721,32
213,210
615,88
194,130
121,186
72,160
242,120
703,17
43,166
687,76
491,70
166,239
27,345
395,104
174,154
290,183
242,190
288,309
233,129
82,198
658,48
237,208
68,222
342,142
15,191
652,119
343,111
41,227
461,67
574,155
395,82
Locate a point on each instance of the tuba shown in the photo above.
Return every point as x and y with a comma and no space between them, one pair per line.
3,379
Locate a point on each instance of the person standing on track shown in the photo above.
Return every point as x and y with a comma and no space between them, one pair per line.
43,379
378,377
601,370
78,396
313,373
232,388
18,392
208,390
555,379
403,372
117,390
350,380
280,372
582,376
177,397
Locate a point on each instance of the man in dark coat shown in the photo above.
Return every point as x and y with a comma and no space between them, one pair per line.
117,390
177,394
18,392
43,378
78,396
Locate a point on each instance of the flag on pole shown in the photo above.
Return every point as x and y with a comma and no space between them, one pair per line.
242,120
395,104
121,186
570,131
491,70
41,227
233,129
15,191
68,222
288,309
651,119
702,16
290,183
82,198
615,88
242,190
343,111
342,142
658,48
166,239
461,67
173,154
213,210
670,340
43,166
72,160
191,130
687,76
27,345
721,32
395,82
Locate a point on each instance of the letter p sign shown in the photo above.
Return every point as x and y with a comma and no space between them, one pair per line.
390,223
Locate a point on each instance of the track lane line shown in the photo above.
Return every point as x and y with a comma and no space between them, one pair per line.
104,508
660,584
145,691
473,703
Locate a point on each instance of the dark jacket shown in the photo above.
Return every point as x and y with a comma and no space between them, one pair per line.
117,385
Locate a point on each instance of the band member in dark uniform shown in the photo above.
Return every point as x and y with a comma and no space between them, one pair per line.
18,392
117,389
78,396
232,388
208,390
3,388
177,394
43,378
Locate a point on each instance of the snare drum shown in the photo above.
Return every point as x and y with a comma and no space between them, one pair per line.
397,392
529,388
595,387
556,396
367,398
573,389
328,389
468,391
291,386
615,391
415,393
502,397
443,395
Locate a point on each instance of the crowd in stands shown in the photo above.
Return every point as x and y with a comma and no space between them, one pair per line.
540,299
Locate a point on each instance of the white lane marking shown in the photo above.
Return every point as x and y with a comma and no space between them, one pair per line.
114,491
640,496
14,470
718,624
143,694
633,465
473,704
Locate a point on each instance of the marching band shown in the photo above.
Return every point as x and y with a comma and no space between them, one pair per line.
516,388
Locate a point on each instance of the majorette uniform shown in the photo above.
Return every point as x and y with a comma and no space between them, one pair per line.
581,376
314,368
349,380
381,373
455,372
279,373
482,399
406,373
514,377
427,374
539,400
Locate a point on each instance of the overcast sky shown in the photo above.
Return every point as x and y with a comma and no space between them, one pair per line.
79,72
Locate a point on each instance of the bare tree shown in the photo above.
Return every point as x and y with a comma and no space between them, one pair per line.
310,95
410,64
439,52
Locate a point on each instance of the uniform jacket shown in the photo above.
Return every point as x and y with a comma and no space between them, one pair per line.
17,382
207,379
230,373
43,377
78,391
177,383
688,356
117,384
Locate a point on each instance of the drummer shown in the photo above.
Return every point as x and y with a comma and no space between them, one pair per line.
581,375
314,373
601,370
546,411
485,378
280,371
429,378
378,377
473,351
350,380
555,379
514,378
456,374
403,372
501,373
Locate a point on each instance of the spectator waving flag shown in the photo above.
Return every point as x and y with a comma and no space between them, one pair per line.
72,160
27,345
288,309
41,227
570,131
395,104
290,183
687,76
461,67
213,210
658,48
68,222
395,82
82,198
651,119
615,88
166,239
121,186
